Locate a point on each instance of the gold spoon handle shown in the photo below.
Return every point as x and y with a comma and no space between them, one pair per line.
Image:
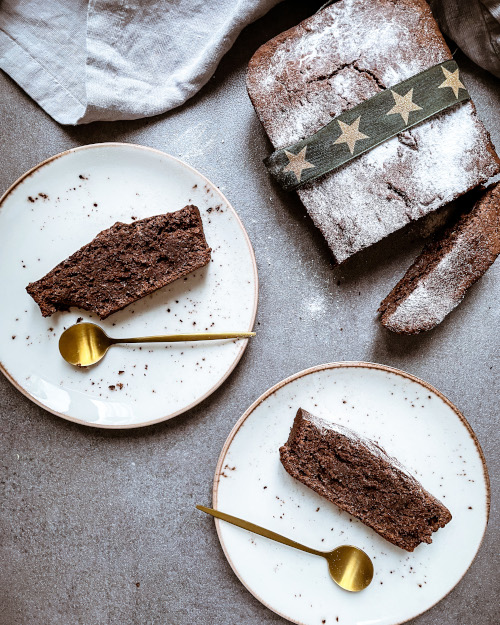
175,338
256,529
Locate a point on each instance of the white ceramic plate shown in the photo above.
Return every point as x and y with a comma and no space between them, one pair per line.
62,204
414,423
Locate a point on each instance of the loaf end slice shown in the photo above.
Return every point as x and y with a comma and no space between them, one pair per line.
446,268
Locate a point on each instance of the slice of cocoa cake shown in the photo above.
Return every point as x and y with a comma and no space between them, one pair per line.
359,477
124,263
447,266
338,58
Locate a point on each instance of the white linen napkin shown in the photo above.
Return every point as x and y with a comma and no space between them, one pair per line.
88,60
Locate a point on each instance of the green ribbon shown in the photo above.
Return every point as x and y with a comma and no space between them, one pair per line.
368,124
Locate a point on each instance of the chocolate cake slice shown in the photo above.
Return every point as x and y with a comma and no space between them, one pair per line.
447,266
124,263
344,55
358,476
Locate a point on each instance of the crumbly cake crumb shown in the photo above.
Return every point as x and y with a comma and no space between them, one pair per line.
125,263
359,477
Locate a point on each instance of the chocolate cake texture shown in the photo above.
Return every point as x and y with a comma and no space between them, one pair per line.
446,268
329,63
125,263
359,477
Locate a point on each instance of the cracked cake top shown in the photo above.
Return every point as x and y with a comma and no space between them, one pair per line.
338,58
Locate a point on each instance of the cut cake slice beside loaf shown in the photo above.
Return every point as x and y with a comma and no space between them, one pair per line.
447,266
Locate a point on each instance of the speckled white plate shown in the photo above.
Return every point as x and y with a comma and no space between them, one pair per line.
62,204
414,423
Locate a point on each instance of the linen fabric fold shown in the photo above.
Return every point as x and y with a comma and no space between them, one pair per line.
89,60
84,61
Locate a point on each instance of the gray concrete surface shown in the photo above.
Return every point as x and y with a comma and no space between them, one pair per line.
99,527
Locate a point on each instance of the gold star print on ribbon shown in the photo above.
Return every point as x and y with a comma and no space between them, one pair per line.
297,163
385,115
403,105
350,134
452,81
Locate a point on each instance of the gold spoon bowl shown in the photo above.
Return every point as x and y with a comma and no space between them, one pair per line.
84,344
349,567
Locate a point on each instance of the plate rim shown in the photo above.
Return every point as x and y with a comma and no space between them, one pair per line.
244,342
346,365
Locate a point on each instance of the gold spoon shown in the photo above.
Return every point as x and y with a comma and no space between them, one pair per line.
84,344
349,566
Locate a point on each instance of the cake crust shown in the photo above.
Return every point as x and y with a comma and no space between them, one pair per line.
125,263
446,268
359,477
338,58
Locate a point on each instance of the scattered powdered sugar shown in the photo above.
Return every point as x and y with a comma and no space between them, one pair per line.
450,142
347,45
393,184
193,142
439,278
380,155
315,306
338,58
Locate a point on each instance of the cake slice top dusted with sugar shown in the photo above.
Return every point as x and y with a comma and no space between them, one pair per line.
338,58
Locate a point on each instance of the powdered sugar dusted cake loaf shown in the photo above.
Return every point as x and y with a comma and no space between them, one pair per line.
439,278
358,476
338,58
